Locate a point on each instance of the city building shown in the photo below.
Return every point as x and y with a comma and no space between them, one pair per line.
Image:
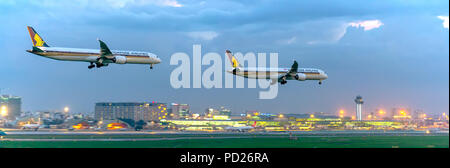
221,114
130,110
10,106
180,110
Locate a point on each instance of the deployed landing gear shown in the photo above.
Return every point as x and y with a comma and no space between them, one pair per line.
283,80
91,66
98,65
151,66
320,82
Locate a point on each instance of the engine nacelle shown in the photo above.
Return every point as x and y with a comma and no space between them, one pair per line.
120,59
300,77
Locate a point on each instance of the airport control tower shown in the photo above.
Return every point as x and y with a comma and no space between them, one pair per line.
359,101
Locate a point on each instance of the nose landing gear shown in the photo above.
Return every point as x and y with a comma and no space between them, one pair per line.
151,66
320,82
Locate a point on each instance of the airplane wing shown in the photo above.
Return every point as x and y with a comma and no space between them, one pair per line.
294,69
104,50
292,73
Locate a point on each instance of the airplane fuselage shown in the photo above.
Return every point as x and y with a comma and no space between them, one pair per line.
275,73
92,55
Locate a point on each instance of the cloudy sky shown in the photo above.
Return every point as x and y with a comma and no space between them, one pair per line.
394,53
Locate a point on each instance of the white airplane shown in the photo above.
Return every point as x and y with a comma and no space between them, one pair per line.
31,126
101,57
276,74
242,128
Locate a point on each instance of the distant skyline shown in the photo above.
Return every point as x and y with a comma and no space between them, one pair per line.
393,53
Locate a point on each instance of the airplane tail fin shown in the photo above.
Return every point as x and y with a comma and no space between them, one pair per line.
254,124
36,39
233,60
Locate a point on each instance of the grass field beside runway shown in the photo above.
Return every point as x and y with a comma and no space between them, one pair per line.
134,136
273,142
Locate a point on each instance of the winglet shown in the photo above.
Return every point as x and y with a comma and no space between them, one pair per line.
36,39
104,50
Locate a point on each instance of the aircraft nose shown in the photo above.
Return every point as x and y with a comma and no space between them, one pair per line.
157,60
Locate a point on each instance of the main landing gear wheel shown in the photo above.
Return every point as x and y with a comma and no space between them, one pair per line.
98,65
151,66
91,66
283,80
320,82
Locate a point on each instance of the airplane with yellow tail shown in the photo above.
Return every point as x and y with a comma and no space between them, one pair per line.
96,57
281,75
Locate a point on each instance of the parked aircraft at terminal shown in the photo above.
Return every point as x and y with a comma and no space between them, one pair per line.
96,57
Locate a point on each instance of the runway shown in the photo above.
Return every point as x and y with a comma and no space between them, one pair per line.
157,135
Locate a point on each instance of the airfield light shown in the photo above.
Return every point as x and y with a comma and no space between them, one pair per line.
424,116
402,112
281,116
311,116
353,118
341,113
66,109
4,111
381,112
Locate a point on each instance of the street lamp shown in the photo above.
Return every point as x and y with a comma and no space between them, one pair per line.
341,113
381,113
4,111
402,112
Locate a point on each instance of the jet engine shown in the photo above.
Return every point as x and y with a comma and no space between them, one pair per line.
300,77
236,70
120,59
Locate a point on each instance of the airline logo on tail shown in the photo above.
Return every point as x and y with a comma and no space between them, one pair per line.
254,124
233,60
36,39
